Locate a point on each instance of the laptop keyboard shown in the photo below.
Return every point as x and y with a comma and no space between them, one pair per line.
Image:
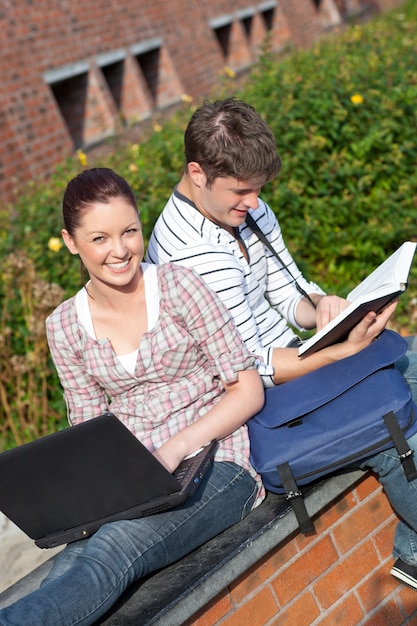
182,470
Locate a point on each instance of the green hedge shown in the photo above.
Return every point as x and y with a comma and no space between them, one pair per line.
345,120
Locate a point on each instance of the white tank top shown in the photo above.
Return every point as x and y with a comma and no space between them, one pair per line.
152,308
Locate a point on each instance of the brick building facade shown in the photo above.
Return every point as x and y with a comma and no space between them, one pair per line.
76,72
338,576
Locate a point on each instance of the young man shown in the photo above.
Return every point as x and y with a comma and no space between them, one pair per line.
230,154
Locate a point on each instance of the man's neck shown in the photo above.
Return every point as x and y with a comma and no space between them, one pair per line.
186,188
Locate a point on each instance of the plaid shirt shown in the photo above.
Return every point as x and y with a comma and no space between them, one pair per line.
180,364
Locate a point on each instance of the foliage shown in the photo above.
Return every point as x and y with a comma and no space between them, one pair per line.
344,118
26,409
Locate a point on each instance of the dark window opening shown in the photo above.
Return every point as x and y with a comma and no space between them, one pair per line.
223,37
71,97
114,74
268,17
247,25
149,64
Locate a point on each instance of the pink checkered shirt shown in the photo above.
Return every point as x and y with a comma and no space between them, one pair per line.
180,362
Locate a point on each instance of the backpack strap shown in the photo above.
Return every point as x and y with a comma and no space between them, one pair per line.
401,443
255,228
295,498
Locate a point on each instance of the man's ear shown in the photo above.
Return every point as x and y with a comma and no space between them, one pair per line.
69,241
195,172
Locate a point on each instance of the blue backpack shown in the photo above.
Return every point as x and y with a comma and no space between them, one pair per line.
332,419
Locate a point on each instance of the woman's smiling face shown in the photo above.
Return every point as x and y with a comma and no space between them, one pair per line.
109,241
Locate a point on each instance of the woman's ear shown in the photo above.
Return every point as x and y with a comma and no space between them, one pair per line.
69,241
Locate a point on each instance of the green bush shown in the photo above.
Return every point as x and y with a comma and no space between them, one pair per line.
347,193
344,117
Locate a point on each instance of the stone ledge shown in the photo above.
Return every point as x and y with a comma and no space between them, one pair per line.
174,594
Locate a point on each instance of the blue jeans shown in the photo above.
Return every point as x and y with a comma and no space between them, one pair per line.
90,575
401,493
402,496
407,365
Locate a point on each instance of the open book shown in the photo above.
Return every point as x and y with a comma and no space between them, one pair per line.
374,293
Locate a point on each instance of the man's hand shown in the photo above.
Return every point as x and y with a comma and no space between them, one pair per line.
327,308
288,365
370,327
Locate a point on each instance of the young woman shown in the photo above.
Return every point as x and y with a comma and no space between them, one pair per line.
156,347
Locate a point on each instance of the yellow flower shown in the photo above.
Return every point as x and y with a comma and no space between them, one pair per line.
133,167
229,72
157,128
55,244
82,157
356,98
186,98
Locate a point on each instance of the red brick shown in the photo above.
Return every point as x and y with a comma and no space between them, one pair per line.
384,538
212,612
263,570
361,521
263,606
40,36
347,573
304,570
346,613
303,611
377,587
247,584
328,517
366,486
407,598
388,615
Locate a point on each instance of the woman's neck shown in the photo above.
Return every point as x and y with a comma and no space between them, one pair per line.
113,296
119,315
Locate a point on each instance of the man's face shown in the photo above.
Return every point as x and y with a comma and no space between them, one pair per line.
227,201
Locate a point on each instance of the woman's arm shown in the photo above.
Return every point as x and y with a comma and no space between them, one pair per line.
242,400
209,323
84,397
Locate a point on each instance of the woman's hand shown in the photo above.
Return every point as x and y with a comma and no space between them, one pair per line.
170,454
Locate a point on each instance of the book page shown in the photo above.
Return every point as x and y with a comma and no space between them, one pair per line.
374,293
339,328
393,271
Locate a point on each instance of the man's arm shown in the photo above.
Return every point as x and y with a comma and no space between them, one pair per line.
327,307
288,365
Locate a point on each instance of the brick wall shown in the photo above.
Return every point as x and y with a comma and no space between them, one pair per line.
78,71
340,575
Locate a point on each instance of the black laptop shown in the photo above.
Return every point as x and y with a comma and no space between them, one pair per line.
63,487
